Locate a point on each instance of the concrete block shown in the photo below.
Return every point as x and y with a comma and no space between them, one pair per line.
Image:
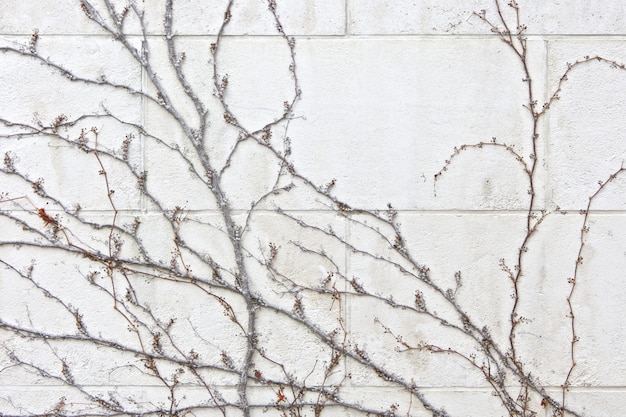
405,104
575,18
544,288
148,399
456,17
235,57
66,17
446,245
62,171
586,137
191,17
256,98
598,402
305,256
543,338
412,17
26,84
250,17
597,303
177,183
477,402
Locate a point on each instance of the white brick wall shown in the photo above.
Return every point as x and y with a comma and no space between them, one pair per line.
389,89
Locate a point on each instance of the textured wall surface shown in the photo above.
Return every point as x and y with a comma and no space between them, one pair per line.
286,231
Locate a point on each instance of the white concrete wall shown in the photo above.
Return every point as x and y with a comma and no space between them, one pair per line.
389,89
